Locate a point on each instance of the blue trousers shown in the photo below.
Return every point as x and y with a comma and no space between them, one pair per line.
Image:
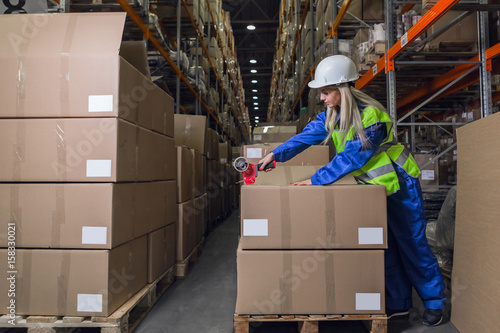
409,260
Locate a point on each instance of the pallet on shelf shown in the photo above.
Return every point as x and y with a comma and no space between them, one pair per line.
125,319
451,46
310,324
181,267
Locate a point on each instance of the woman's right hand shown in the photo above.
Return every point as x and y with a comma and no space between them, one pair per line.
266,160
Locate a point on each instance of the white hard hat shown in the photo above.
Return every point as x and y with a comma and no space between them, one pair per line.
333,70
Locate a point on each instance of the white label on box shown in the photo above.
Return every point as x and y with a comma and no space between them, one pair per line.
470,116
367,301
255,227
101,103
89,303
254,152
374,70
98,168
370,236
257,137
404,40
94,235
427,174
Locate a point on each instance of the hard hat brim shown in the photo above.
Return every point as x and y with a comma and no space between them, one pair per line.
315,84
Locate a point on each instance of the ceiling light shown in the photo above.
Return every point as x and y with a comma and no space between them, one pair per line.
256,117
256,108
256,103
253,71
254,81
251,27
255,97
254,90
253,61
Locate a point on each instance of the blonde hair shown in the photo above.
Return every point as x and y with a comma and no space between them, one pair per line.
350,101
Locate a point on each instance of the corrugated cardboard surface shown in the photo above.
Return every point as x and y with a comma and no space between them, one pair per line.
90,216
64,149
465,30
284,175
76,282
161,251
200,206
313,217
475,287
314,155
185,176
186,229
190,131
199,172
78,73
225,152
310,282
430,174
152,155
266,134
212,148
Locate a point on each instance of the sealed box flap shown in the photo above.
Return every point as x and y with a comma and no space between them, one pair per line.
53,34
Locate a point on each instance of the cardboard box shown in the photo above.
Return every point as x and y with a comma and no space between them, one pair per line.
186,229
190,131
429,175
78,73
199,172
212,149
75,282
154,156
84,216
314,155
313,217
225,152
476,292
65,149
465,30
284,175
268,134
161,251
185,176
200,205
310,282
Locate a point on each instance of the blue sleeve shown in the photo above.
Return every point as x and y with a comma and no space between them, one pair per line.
314,133
353,157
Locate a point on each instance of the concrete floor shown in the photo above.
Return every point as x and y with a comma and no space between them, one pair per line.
205,300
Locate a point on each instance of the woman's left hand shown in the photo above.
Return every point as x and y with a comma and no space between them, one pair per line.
302,183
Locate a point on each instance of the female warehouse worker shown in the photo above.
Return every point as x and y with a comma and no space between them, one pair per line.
368,149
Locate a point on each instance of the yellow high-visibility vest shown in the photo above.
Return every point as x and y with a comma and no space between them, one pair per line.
379,169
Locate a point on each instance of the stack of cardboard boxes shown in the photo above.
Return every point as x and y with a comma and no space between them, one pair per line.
310,249
87,179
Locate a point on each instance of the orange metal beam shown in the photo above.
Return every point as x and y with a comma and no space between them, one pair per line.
340,16
438,10
406,8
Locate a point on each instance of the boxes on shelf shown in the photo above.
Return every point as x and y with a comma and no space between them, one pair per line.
185,174
90,216
75,282
161,251
92,76
199,172
310,282
429,176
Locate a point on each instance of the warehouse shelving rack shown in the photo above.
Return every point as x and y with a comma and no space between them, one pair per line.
464,74
138,12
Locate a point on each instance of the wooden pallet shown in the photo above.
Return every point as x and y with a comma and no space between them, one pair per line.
181,267
310,324
125,319
451,46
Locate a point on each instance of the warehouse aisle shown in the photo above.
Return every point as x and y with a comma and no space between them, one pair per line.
204,301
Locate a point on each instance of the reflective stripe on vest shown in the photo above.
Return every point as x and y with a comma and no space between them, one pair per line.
379,169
